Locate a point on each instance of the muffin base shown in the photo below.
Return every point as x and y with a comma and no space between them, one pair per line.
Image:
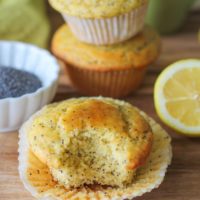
111,83
38,180
106,31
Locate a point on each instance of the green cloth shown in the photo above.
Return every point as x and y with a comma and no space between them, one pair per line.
24,20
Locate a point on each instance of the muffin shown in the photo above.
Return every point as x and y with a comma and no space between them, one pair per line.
103,22
114,70
92,148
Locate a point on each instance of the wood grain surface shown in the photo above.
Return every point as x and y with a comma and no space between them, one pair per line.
183,178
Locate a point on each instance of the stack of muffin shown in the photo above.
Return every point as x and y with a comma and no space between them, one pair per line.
105,47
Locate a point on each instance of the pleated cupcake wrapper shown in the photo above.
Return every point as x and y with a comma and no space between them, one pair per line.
106,31
14,111
38,180
113,83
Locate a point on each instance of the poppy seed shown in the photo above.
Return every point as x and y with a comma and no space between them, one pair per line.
15,82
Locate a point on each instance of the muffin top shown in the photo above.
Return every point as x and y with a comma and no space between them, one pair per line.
91,140
137,52
96,8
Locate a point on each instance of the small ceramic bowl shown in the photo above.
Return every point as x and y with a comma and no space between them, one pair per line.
14,111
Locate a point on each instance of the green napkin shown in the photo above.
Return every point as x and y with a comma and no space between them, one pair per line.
24,20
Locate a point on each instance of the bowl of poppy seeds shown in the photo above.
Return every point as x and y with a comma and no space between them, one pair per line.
28,81
15,82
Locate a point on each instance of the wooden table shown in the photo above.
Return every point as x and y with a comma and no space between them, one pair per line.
183,178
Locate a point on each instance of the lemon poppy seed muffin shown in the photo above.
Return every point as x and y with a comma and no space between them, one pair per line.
47,143
91,140
113,70
103,22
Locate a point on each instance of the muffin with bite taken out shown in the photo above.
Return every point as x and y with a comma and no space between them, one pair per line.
92,148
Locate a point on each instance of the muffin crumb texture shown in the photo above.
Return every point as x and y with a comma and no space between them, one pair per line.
91,140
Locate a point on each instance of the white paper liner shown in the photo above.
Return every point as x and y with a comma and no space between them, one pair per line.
106,31
42,186
14,111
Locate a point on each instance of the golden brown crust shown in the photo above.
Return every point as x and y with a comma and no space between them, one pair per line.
142,156
141,131
137,52
96,9
93,113
87,114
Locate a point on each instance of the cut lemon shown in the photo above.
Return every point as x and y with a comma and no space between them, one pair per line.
177,96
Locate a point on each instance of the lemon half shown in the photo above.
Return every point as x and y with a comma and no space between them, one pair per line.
177,96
